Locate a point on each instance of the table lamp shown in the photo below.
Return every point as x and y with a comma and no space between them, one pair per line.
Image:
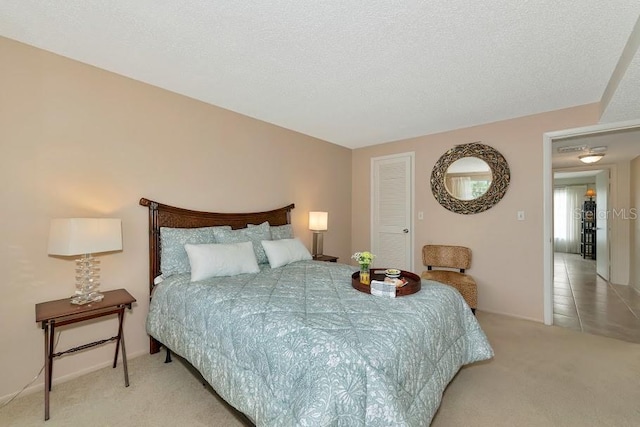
85,236
591,193
318,223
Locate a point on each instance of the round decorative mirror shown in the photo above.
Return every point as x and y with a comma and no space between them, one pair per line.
467,178
470,178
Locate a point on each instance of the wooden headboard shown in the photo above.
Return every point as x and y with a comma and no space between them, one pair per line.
170,216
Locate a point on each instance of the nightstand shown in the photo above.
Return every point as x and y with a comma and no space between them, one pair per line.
326,258
61,312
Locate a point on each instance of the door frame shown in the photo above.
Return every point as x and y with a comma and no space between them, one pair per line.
547,199
412,161
603,263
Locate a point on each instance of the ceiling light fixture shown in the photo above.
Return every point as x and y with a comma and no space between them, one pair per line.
590,157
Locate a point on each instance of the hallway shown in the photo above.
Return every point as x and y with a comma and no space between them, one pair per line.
585,302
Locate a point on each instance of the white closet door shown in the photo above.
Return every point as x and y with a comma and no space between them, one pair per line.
391,208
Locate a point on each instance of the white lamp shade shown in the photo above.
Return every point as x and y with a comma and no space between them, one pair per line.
318,221
79,236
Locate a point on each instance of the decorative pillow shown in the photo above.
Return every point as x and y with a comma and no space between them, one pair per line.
285,251
173,258
279,231
254,235
215,260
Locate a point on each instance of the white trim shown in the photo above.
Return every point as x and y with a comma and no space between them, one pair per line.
506,314
547,202
412,235
547,230
39,386
593,129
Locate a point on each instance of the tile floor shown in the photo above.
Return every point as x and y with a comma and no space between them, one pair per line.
584,301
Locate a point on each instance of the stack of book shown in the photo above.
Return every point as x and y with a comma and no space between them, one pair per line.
383,289
387,288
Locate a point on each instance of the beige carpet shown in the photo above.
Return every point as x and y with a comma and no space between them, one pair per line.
540,376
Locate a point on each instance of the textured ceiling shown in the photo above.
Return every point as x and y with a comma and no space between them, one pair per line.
354,73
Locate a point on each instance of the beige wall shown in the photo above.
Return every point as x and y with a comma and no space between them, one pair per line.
507,254
79,141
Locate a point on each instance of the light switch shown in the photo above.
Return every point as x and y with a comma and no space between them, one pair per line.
420,215
520,215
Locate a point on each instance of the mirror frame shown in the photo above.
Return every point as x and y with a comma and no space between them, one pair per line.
499,169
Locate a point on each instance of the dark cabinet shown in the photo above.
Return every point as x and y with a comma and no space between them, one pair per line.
588,230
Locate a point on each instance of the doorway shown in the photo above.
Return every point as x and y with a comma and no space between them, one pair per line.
580,205
574,269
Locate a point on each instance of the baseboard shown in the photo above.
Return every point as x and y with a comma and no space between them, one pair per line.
39,387
515,316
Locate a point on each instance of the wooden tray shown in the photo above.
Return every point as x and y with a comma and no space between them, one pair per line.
378,274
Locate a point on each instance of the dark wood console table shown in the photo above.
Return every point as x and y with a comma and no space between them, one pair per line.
61,312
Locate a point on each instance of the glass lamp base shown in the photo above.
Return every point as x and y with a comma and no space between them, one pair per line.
87,281
87,298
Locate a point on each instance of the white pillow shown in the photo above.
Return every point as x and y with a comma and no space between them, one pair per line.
214,260
285,251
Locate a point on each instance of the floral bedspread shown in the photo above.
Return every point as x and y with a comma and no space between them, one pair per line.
298,346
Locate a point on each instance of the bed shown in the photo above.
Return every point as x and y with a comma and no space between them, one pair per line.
297,345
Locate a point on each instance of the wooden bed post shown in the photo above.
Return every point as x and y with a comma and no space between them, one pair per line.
154,259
